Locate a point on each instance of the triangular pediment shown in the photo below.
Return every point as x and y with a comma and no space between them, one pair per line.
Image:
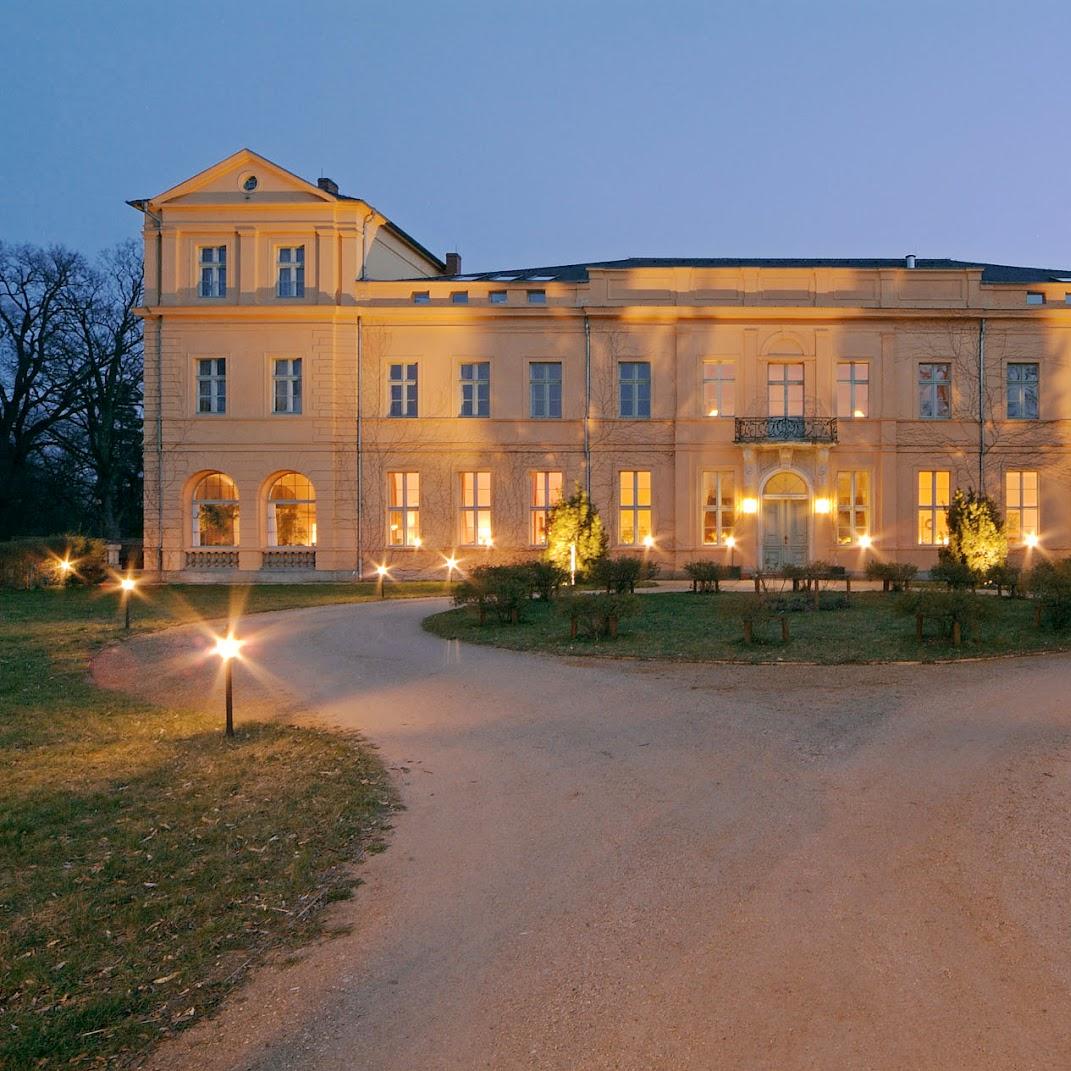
227,182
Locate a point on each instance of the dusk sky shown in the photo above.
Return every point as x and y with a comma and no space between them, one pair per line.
526,134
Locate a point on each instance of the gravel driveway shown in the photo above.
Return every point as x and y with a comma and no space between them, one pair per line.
646,866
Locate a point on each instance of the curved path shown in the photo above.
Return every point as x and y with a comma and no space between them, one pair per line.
645,866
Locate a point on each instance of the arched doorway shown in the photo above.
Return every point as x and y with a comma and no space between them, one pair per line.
785,521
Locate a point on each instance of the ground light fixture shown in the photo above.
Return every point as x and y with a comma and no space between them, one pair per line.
64,566
648,541
228,648
730,542
126,589
865,541
382,572
450,564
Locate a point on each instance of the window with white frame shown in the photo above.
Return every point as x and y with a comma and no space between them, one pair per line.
545,388
476,389
853,505
719,388
215,511
476,509
853,390
634,506
546,493
213,264
935,390
934,492
403,509
1021,509
784,389
1022,390
634,389
286,385
292,512
290,264
212,385
719,507
403,390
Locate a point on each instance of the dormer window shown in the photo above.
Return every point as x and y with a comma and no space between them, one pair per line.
421,297
1035,297
213,261
497,297
291,272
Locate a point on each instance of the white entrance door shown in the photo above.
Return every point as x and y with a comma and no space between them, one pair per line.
784,532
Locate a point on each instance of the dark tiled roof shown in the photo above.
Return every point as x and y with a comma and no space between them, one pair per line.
991,273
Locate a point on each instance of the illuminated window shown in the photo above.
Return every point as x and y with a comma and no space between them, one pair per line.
215,512
476,509
853,390
213,260
212,385
545,388
719,509
497,297
292,512
1021,505
935,390
719,388
286,383
784,390
853,506
933,507
546,493
476,389
1035,297
634,512
290,263
403,390
537,297
1022,391
403,509
634,382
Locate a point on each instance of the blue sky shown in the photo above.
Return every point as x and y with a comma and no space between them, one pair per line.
526,134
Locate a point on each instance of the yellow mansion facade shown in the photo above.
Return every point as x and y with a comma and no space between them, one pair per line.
324,395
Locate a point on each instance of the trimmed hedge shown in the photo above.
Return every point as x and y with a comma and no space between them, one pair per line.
622,574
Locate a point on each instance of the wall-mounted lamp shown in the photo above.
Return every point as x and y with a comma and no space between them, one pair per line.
1031,539
865,541
750,505
821,505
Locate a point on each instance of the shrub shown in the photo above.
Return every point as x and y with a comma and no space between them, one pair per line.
1005,578
706,576
753,610
622,574
976,538
544,579
1050,584
503,589
893,575
957,576
27,563
596,615
575,521
957,612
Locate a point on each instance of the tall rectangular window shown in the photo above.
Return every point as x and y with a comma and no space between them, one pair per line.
853,390
719,508
286,384
1022,391
784,390
634,383
291,267
212,385
476,389
933,507
476,509
1021,505
719,388
402,380
935,390
545,388
213,262
403,509
853,506
634,502
546,493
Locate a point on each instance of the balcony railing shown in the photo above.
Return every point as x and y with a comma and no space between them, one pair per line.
786,429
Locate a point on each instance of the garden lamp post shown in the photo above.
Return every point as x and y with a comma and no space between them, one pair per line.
572,565
451,565
227,647
126,586
730,542
381,576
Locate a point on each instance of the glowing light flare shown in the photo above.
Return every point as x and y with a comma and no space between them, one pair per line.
750,505
382,570
227,647
858,414
821,505
418,542
648,541
730,542
127,584
713,412
64,565
1031,539
865,541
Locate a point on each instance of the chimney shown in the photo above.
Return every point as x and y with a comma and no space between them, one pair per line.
909,260
453,263
328,185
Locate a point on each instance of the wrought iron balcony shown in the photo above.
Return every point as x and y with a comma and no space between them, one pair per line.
786,429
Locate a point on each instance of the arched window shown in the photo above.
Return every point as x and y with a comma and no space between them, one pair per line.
785,485
215,511
292,512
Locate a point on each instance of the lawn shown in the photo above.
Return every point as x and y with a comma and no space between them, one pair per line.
145,862
701,628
